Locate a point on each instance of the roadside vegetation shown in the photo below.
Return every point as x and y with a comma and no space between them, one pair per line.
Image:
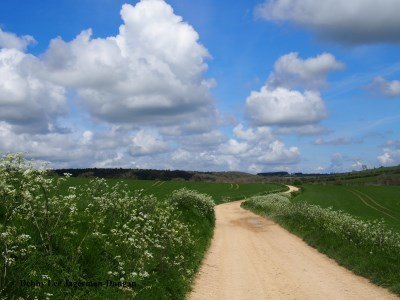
367,202
367,247
67,242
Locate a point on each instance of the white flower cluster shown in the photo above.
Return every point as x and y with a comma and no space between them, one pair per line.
32,211
192,199
143,230
15,245
373,235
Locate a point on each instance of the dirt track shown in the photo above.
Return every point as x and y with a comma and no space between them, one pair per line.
253,258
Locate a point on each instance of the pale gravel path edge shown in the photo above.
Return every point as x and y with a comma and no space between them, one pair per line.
251,257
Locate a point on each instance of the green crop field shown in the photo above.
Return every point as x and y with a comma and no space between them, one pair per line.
220,192
367,202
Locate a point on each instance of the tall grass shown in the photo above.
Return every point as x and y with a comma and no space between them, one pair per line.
369,248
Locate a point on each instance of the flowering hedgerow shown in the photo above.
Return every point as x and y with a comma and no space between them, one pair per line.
191,199
94,233
372,235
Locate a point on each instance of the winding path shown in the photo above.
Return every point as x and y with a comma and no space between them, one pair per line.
253,258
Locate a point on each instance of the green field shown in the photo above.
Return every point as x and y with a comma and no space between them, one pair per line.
220,192
367,202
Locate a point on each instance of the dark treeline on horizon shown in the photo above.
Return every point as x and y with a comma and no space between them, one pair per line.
140,174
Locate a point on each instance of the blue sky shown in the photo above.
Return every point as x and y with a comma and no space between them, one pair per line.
295,87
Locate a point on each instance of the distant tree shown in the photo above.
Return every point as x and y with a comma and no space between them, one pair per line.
297,182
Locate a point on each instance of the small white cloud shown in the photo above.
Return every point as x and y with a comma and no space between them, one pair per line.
385,87
291,71
387,158
391,155
281,106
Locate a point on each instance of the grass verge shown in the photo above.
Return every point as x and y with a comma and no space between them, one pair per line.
368,248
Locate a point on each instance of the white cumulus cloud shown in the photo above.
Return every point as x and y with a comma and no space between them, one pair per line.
150,73
388,157
391,154
292,71
354,22
290,98
282,106
385,87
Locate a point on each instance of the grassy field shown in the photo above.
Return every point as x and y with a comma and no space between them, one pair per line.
220,192
367,202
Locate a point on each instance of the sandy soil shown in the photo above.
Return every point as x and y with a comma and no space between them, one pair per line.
253,258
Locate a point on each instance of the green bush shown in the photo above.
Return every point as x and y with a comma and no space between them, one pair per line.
188,199
297,182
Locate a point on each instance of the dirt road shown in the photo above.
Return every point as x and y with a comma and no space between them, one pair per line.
291,189
254,258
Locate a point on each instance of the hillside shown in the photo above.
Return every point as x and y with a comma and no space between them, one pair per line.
376,176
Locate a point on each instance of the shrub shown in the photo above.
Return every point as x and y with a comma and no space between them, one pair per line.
297,182
188,199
